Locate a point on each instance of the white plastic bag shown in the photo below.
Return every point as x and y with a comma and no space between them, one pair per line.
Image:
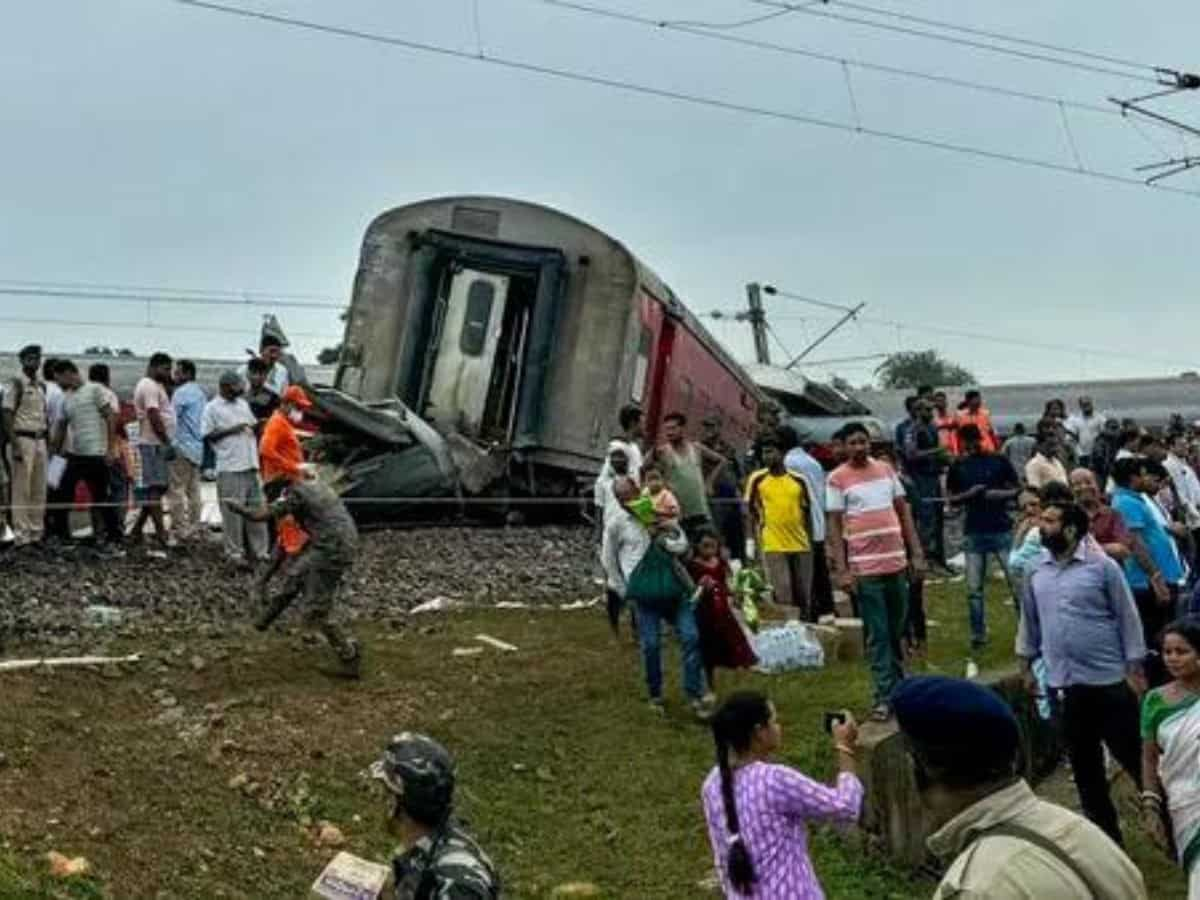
784,648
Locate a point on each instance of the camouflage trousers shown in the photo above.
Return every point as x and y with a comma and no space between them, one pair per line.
315,576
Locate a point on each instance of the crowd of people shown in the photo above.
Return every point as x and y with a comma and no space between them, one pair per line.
1094,523
143,465
1100,561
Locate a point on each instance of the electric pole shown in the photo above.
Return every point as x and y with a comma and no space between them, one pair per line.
758,323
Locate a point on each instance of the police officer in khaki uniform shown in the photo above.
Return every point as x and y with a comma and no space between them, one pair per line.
26,431
1005,842
440,861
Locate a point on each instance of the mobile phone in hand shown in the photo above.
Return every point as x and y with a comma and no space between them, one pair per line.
833,718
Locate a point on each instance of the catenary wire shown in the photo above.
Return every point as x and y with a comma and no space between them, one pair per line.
682,96
118,296
792,50
1033,56
998,339
741,23
160,289
150,326
994,35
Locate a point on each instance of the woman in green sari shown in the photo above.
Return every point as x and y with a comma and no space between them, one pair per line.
1171,751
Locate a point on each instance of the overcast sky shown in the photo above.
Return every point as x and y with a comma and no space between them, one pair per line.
150,143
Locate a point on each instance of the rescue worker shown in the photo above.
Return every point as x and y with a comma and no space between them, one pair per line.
439,860
281,455
318,570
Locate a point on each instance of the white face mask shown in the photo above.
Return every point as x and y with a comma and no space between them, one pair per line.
296,416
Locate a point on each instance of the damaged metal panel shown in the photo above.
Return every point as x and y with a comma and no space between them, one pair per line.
386,458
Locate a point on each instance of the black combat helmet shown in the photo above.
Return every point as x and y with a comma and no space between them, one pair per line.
418,769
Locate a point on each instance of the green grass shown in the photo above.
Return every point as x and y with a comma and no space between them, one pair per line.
565,776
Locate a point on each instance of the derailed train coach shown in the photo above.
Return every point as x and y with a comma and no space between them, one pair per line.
489,346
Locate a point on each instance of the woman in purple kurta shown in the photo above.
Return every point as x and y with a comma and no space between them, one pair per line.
757,810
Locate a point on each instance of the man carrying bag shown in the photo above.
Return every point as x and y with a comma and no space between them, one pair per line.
639,565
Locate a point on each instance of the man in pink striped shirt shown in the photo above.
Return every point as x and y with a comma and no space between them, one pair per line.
870,527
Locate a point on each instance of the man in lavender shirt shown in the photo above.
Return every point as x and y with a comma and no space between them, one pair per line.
1080,618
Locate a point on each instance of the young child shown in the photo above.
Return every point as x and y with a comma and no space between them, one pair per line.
666,506
722,641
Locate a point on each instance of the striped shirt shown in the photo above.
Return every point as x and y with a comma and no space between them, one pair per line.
866,496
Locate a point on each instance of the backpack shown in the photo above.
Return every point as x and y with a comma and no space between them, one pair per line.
654,582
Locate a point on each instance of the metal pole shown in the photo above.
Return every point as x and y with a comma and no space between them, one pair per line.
758,323
828,334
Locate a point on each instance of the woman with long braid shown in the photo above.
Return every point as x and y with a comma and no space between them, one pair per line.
757,810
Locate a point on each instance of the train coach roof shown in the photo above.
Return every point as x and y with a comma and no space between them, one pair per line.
647,277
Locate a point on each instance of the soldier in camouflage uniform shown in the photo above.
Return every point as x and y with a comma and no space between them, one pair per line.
441,861
318,570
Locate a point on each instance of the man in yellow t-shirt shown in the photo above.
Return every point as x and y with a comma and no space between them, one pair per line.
780,510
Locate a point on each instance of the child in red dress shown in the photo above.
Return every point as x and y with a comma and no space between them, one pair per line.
722,641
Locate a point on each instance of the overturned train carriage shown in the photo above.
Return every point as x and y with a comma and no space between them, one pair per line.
493,342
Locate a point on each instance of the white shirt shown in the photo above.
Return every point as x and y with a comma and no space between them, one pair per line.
626,541
237,452
1084,430
56,404
1188,487
633,453
277,379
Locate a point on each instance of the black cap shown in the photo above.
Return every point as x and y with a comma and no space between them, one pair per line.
422,772
958,718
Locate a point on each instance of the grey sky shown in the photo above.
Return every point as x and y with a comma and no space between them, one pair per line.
151,143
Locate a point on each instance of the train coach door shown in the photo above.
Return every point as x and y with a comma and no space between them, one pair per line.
471,324
660,368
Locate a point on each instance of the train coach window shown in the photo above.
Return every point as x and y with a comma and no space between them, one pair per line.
480,298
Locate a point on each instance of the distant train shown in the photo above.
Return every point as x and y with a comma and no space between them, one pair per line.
517,333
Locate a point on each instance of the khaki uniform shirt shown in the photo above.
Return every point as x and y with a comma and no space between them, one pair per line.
30,416
1001,867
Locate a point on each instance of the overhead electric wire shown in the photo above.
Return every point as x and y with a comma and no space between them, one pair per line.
792,50
119,297
160,289
825,13
778,340
994,35
718,26
677,96
152,326
923,328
